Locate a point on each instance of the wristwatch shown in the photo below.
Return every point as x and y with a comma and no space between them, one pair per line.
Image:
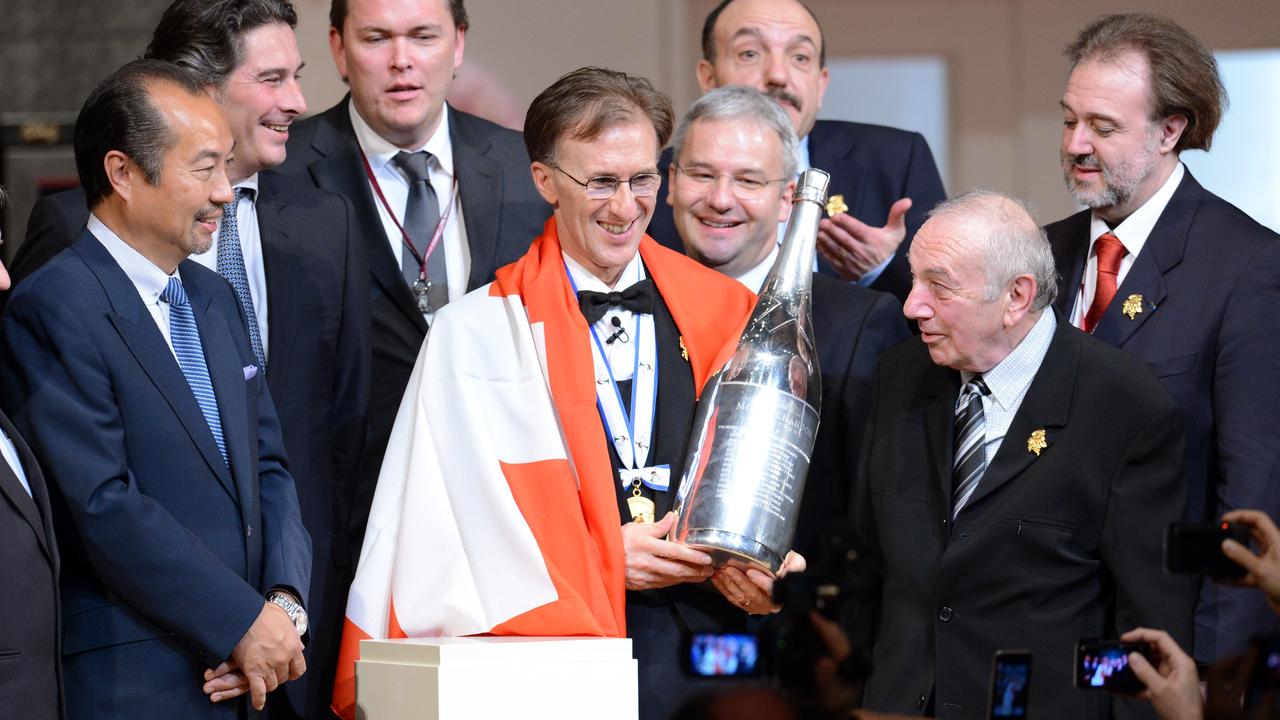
291,608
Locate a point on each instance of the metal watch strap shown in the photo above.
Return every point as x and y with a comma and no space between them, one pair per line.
295,611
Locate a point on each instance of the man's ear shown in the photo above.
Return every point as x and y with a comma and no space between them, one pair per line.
1022,294
1171,129
784,209
543,182
122,173
339,54
706,75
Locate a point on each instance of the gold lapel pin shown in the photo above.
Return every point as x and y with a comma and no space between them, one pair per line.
1132,306
684,351
1036,442
835,204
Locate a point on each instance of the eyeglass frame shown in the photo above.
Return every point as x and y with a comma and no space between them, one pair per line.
617,182
733,181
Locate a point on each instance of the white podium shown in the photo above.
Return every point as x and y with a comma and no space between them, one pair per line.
472,678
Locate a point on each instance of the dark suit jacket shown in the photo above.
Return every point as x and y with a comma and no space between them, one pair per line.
503,213
30,663
852,326
318,372
873,167
55,222
1049,549
1209,278
167,551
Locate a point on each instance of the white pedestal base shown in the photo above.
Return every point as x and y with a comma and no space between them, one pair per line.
496,677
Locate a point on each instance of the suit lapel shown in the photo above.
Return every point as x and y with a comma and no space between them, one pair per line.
480,191
29,506
280,248
827,151
1046,406
227,375
341,171
1163,250
140,334
941,386
1070,244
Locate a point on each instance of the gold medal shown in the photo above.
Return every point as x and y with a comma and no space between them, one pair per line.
641,508
835,205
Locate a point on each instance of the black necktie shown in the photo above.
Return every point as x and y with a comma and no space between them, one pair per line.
638,299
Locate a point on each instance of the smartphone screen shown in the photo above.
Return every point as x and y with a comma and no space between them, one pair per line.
1104,664
1010,684
722,655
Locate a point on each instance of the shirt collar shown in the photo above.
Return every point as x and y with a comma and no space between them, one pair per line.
1009,379
802,154
584,280
251,184
754,278
380,151
1134,230
145,275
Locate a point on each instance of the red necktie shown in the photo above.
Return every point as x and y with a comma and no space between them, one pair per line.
1110,252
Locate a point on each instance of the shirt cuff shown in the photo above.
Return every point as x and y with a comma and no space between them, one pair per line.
870,276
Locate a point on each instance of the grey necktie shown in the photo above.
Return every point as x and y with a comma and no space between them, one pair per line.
422,213
231,267
971,433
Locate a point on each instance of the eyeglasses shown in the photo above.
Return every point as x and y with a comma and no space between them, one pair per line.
743,185
602,187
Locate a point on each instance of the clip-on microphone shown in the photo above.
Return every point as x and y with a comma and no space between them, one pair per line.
619,334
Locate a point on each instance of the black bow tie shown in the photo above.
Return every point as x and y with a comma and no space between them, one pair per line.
638,299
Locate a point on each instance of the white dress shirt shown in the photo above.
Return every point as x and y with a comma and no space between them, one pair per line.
1009,381
754,278
621,355
147,277
1132,232
395,188
10,452
251,247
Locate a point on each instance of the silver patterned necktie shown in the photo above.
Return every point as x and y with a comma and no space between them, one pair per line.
231,267
971,432
185,337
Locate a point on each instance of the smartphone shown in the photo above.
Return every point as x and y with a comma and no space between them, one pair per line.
721,655
1192,548
1010,684
1264,679
1105,664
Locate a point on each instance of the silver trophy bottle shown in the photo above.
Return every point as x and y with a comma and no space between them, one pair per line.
755,425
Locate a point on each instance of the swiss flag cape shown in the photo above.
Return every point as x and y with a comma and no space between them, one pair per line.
495,510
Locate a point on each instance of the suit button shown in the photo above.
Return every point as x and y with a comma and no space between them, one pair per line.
945,614
248,531
920,703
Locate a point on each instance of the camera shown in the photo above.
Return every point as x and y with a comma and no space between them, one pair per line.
1192,548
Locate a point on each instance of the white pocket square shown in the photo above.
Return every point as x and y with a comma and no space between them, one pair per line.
250,371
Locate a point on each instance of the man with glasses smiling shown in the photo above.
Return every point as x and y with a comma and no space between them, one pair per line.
552,407
730,185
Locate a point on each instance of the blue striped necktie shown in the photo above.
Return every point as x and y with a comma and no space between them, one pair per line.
231,267
186,345
971,434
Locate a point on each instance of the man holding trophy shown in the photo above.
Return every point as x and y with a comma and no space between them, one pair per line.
529,483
